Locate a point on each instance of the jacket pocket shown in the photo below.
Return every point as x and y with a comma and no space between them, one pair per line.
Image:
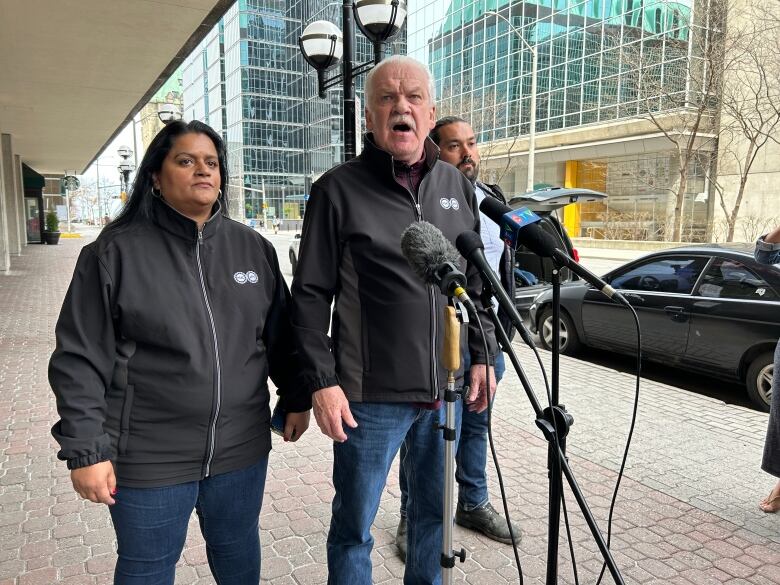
124,422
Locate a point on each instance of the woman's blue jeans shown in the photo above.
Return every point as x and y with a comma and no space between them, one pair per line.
151,527
471,438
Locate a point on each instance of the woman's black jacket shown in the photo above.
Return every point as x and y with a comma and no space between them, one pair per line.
165,343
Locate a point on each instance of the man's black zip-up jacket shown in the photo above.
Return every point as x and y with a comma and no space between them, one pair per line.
387,326
165,343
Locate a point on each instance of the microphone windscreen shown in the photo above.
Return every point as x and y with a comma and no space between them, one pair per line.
467,242
426,249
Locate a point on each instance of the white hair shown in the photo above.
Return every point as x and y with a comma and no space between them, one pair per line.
400,60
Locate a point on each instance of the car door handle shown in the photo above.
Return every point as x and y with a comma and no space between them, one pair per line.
678,314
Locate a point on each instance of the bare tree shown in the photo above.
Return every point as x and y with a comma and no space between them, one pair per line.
485,113
676,80
750,102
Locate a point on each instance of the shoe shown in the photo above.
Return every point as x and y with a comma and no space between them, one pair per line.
400,539
770,504
486,520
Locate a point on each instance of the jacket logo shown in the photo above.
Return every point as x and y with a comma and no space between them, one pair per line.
450,203
249,276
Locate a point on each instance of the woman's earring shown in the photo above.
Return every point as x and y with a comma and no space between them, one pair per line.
156,193
219,194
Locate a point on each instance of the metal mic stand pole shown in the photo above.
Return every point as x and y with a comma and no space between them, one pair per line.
559,428
451,359
544,420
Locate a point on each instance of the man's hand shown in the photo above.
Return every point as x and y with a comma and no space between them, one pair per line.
478,395
295,424
96,483
330,407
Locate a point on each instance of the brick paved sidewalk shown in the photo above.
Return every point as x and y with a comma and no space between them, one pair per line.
686,514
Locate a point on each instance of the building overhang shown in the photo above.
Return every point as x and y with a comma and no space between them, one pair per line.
598,141
73,74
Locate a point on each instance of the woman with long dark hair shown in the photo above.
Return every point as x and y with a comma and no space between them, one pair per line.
173,322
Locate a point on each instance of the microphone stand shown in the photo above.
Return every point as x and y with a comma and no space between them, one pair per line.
554,423
453,317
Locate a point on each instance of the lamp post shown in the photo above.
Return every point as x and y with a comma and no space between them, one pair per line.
125,168
532,131
323,46
168,113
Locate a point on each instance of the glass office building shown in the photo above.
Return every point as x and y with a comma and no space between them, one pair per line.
602,66
249,81
245,81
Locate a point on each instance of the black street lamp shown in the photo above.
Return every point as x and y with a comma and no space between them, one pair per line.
323,46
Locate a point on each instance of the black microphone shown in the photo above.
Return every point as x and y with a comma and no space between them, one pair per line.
542,244
470,245
433,258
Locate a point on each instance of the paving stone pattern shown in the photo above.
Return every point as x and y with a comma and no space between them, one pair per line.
686,512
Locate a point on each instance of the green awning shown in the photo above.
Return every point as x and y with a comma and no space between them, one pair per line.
31,179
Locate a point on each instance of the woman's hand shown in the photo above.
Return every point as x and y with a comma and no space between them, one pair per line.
295,425
96,483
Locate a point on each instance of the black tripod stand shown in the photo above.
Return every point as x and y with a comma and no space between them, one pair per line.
554,423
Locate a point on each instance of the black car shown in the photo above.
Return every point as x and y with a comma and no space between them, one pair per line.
533,274
711,309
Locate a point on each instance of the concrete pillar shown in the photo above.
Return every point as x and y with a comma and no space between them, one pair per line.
12,202
19,176
5,258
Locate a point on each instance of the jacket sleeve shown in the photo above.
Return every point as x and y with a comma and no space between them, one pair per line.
766,252
283,360
82,364
313,289
474,287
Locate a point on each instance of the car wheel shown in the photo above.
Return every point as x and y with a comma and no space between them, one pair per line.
570,342
759,381
293,261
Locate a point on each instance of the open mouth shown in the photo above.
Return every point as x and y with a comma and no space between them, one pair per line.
402,128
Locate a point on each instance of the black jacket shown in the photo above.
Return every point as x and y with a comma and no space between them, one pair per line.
164,346
387,329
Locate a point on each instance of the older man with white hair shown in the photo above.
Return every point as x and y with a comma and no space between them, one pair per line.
376,381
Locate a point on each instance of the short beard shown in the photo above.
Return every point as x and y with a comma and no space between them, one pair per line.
472,174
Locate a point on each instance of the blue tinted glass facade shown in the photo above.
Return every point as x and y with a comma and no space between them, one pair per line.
249,81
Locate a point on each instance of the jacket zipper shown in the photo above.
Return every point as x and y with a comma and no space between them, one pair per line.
431,296
213,426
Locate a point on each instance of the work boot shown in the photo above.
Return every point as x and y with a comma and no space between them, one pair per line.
486,520
400,539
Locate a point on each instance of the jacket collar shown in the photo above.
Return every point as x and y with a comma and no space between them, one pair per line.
182,226
374,155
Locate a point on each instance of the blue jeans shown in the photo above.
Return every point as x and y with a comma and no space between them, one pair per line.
471,438
360,468
151,527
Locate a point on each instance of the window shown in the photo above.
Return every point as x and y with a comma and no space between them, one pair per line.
669,274
729,279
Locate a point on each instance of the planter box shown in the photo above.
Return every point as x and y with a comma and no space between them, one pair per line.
51,238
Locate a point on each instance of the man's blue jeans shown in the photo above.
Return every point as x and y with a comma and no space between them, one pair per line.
360,468
471,437
151,527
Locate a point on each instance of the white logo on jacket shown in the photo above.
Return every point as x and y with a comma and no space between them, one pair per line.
449,203
249,276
